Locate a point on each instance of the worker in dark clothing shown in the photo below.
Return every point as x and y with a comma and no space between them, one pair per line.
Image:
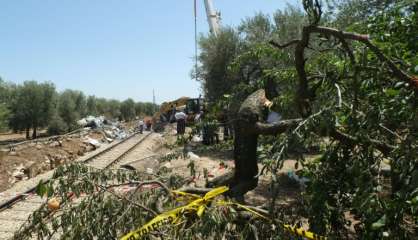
172,118
181,122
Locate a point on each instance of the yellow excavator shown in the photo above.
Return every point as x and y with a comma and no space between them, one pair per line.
190,106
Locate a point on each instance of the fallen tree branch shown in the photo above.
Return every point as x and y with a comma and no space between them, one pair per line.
277,45
352,141
195,190
277,127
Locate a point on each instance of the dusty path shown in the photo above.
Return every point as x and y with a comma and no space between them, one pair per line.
133,148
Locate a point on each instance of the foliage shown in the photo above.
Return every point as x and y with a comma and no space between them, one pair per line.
4,115
362,115
36,105
67,109
127,109
361,121
216,54
91,199
91,106
57,126
32,106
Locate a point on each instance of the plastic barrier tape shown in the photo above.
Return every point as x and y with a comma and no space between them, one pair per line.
301,232
198,206
174,215
297,231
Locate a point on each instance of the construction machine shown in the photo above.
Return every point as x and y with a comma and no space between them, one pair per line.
213,17
190,106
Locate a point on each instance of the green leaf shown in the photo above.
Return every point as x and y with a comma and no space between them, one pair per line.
414,200
391,92
380,223
41,189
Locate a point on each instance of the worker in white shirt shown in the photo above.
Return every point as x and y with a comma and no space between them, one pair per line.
181,122
141,126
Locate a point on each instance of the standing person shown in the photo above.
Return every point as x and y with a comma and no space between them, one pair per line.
148,124
172,113
181,122
141,126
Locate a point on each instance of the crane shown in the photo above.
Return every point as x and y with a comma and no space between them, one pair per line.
213,17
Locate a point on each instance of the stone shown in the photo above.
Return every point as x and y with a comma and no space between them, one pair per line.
12,153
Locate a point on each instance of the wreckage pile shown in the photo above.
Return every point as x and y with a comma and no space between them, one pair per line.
111,129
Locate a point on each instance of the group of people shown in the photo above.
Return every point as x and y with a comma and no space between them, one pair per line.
141,126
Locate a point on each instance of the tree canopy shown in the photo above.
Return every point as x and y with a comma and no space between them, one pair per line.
34,105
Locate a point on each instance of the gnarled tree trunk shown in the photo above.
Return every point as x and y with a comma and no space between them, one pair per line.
248,125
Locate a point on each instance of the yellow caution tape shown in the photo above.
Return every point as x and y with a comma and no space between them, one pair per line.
297,231
173,216
185,194
301,232
198,206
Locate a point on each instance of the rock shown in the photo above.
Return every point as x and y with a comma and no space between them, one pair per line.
92,142
12,153
19,172
12,180
109,134
70,152
80,152
54,144
38,146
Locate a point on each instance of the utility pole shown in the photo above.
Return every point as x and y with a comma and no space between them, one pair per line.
153,101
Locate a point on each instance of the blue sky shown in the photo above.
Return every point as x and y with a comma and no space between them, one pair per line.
111,48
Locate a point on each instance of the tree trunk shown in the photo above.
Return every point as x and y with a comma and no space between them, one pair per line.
27,132
34,132
248,125
245,157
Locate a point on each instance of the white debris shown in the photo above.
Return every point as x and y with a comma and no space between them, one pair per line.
92,142
82,122
167,165
301,180
19,172
273,117
91,121
150,171
193,156
197,139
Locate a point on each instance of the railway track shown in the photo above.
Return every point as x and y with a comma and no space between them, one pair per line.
16,210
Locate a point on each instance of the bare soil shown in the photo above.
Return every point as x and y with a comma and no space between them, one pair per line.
8,137
218,162
35,158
